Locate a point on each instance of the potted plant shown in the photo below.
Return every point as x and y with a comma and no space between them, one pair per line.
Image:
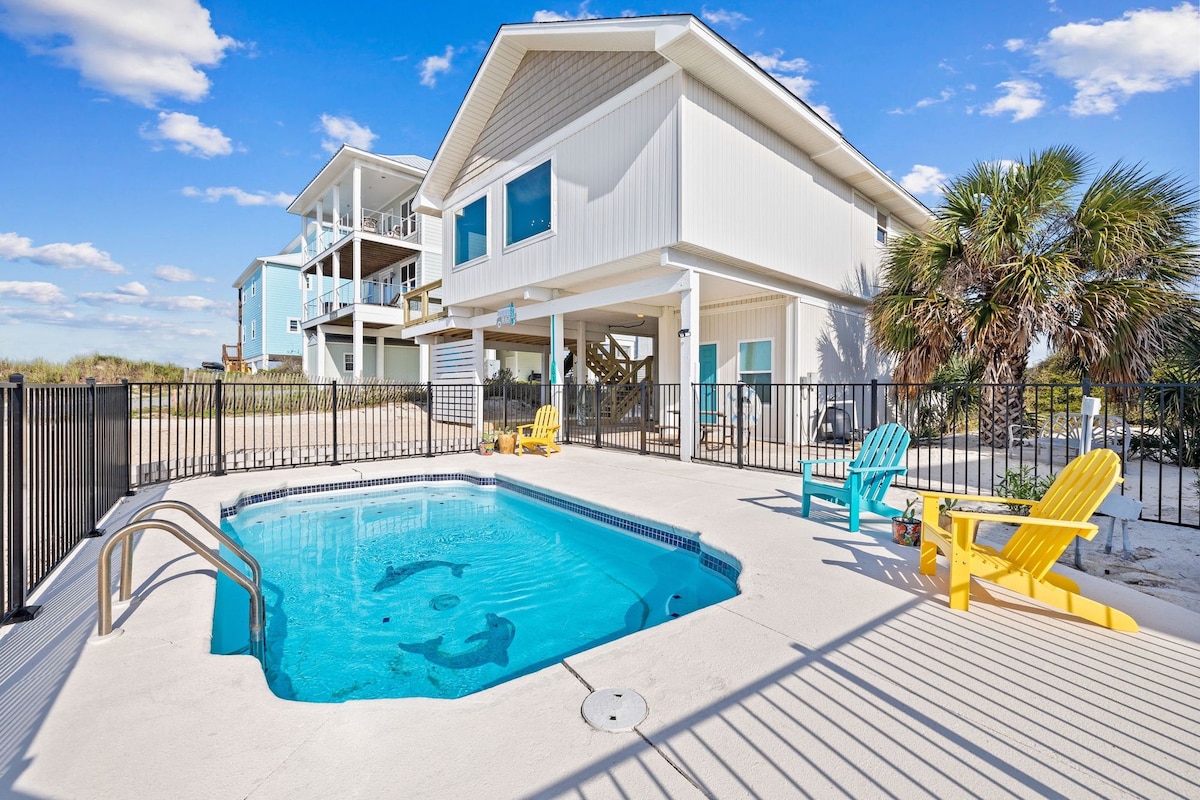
906,528
945,506
487,445
506,441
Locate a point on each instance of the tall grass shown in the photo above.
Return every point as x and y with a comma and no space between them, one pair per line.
104,368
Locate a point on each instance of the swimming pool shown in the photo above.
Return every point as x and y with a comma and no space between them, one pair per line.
444,588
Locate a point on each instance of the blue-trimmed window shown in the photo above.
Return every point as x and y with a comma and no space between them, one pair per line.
754,367
527,205
470,231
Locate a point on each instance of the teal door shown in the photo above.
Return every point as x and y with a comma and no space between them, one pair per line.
708,374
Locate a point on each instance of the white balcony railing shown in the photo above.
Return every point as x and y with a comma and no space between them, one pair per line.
375,293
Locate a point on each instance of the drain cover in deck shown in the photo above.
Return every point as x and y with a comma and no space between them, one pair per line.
614,709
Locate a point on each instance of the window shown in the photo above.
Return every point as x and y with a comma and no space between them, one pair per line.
308,282
407,222
470,232
253,288
754,367
348,362
881,226
253,330
408,276
527,205
293,325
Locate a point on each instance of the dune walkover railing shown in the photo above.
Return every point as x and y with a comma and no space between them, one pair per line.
72,451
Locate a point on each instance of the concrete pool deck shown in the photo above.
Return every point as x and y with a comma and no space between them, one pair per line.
839,671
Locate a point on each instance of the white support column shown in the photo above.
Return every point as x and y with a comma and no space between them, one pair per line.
304,236
320,351
356,198
335,268
689,365
791,373
480,374
380,360
337,211
356,271
320,240
357,347
319,288
581,368
426,354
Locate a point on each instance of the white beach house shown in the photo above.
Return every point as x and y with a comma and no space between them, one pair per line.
364,246
643,172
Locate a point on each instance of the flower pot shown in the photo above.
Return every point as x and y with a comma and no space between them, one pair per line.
506,443
486,448
906,531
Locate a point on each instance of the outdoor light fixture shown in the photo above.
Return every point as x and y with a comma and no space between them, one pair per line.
684,333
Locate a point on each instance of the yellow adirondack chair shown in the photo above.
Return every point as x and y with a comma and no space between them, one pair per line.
541,433
1024,563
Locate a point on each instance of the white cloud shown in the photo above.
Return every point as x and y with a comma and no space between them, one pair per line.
720,16
133,289
189,135
178,274
556,16
60,254
213,194
1109,62
1023,99
141,53
923,179
926,102
33,291
344,129
127,296
1013,45
10,315
432,66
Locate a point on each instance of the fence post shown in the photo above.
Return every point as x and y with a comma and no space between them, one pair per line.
504,399
741,424
596,409
429,418
219,426
93,456
18,611
874,403
129,492
642,398
334,411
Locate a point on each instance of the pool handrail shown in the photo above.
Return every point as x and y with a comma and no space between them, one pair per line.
200,519
253,588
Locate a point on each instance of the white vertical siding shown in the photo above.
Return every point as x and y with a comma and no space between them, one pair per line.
550,89
431,263
615,197
749,194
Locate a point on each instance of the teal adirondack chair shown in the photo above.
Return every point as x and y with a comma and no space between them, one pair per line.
868,477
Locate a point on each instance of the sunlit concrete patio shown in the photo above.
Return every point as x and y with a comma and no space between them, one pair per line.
839,671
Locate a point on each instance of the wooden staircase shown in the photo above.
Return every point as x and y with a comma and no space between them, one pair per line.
231,358
620,374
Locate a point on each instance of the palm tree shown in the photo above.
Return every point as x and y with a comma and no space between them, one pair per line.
1018,253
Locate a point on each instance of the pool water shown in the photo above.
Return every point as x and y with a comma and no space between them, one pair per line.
442,589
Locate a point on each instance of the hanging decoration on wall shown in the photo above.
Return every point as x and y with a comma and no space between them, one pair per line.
506,316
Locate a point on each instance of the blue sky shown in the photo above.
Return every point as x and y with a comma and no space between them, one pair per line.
146,157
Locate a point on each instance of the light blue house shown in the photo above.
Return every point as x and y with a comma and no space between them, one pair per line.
269,308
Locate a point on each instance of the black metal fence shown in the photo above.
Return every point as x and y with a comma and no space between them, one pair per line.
65,464
182,430
966,437
71,451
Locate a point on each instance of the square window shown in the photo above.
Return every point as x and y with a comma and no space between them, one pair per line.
293,325
470,232
527,205
881,226
348,362
754,367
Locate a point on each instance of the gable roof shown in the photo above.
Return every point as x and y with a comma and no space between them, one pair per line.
686,41
414,166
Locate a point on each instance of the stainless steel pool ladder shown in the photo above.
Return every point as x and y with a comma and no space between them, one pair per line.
142,522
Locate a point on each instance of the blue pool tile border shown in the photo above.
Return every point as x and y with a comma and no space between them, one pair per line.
707,559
